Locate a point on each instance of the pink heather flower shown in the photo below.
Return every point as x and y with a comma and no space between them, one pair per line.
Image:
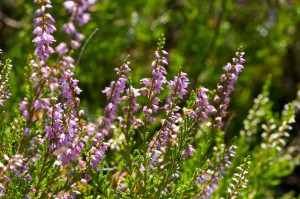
168,133
202,108
69,5
146,110
178,86
62,48
75,44
79,37
146,82
63,123
154,85
98,153
113,94
26,132
189,151
154,159
142,168
151,120
2,187
133,106
65,141
24,108
202,178
222,97
43,29
84,19
69,28
158,74
79,17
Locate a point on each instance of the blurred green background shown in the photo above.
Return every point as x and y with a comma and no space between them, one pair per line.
201,37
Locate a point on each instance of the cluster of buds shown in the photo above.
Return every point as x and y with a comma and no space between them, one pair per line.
4,84
210,178
16,164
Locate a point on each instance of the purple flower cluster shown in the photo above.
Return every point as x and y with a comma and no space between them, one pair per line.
78,10
97,149
79,17
169,130
154,159
76,147
97,153
63,123
64,126
202,105
44,29
32,109
62,115
154,85
132,107
69,89
224,90
113,95
179,86
202,108
189,151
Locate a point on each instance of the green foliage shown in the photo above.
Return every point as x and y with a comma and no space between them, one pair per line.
263,137
200,36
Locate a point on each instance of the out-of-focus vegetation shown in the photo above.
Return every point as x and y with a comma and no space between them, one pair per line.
201,36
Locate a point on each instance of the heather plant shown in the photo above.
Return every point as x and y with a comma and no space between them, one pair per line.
156,137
